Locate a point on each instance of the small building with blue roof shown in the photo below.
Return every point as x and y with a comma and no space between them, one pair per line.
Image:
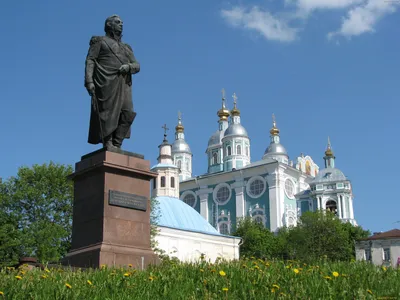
182,232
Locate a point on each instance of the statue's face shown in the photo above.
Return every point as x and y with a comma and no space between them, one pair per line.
116,24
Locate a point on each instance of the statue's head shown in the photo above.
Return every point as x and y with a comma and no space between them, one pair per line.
113,24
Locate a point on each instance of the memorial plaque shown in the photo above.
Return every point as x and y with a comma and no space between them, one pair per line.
127,200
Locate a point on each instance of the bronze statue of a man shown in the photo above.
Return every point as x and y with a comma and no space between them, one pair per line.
110,64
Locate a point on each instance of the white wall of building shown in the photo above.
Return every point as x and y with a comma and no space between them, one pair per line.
376,248
188,246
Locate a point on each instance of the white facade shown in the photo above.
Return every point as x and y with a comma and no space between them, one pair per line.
183,232
382,249
188,246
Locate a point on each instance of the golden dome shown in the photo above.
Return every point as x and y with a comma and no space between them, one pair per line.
179,127
223,113
274,130
328,151
235,111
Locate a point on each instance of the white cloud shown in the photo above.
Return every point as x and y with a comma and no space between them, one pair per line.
363,18
270,26
309,5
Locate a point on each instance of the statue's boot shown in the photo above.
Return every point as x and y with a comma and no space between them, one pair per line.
108,143
125,122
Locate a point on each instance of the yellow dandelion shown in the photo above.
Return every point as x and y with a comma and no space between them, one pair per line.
222,273
44,276
23,272
201,270
327,277
335,274
1,293
151,278
130,265
256,267
369,292
127,274
18,277
244,266
296,271
89,282
47,270
102,266
68,286
225,289
384,268
287,267
272,290
276,286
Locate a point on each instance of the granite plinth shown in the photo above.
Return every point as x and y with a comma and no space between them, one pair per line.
104,234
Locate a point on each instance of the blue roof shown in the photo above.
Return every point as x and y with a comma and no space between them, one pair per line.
174,213
164,166
329,175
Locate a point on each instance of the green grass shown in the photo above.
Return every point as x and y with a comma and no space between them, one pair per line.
244,279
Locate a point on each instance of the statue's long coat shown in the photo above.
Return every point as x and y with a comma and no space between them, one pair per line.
113,91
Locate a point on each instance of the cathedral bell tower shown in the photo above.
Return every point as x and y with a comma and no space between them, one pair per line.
167,181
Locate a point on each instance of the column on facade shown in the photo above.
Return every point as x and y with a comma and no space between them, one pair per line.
273,202
339,206
344,213
351,211
203,196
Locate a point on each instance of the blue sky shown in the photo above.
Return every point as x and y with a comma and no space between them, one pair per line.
324,67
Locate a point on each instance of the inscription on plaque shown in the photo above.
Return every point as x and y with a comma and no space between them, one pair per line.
127,200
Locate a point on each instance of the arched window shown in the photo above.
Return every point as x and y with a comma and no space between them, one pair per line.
172,182
247,150
215,158
162,181
331,206
229,150
179,164
187,165
308,168
239,150
155,183
223,228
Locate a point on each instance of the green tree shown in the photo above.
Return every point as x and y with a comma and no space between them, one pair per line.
257,241
322,235
37,207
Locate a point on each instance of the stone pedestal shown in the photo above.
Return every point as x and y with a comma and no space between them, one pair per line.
111,230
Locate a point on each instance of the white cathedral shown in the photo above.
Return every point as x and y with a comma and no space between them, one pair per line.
274,190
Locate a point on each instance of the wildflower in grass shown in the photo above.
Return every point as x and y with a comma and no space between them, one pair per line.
327,277
151,278
335,274
44,276
282,294
204,282
288,267
18,277
256,267
23,272
276,286
1,293
47,270
127,274
201,270
296,271
68,286
130,266
244,266
384,268
225,289
369,292
102,266
213,271
272,290
89,282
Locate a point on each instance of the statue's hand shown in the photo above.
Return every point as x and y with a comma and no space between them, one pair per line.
124,69
90,88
